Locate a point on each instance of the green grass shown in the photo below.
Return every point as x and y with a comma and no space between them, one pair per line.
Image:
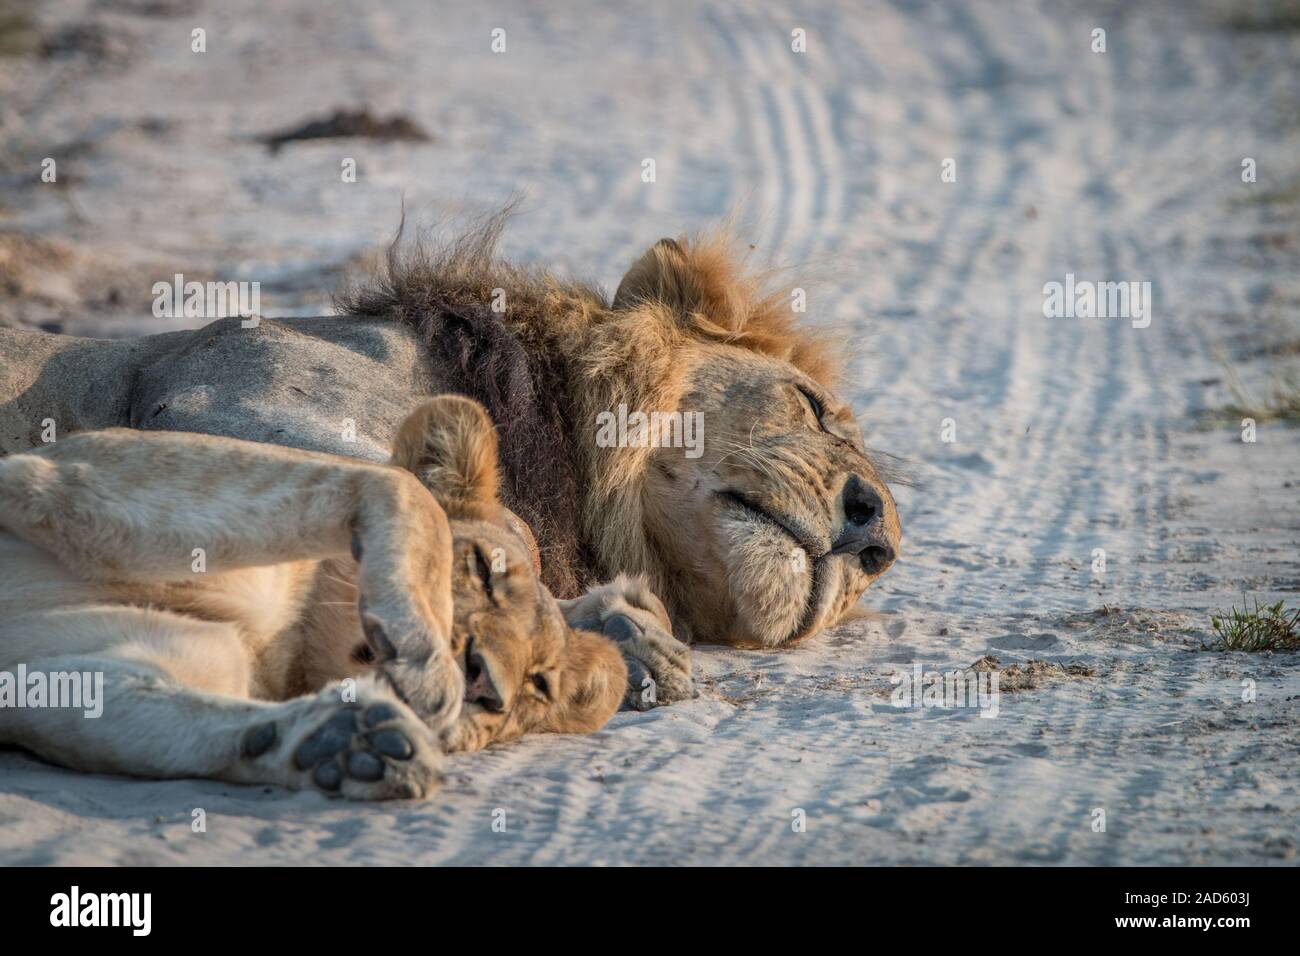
1269,628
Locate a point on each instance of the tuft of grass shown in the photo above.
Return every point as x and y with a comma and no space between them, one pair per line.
1280,404
1288,194
1268,628
1262,16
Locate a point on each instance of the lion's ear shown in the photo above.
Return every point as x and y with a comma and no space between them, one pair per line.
592,682
662,275
450,444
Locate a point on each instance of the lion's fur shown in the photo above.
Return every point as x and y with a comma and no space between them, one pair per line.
692,329
546,355
98,534
704,287
561,351
444,291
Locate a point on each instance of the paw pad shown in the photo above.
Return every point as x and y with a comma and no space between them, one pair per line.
328,776
363,765
380,714
392,743
259,740
342,748
332,737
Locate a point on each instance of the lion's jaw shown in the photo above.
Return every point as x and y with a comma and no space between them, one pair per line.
749,526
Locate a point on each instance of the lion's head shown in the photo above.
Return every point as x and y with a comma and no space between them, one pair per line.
774,520
526,670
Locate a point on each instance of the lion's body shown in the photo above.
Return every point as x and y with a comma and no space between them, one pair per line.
222,590
293,382
777,496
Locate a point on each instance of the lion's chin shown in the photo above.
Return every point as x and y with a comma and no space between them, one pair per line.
771,581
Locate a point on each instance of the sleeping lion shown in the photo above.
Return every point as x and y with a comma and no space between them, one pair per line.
768,530
266,615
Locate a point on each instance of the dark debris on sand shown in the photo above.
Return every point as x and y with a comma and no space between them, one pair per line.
350,124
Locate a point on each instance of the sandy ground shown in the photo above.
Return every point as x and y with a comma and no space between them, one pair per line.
1071,434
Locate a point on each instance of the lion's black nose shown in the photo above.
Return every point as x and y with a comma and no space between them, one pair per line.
875,558
864,531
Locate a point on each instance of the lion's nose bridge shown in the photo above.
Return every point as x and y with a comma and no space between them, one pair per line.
485,681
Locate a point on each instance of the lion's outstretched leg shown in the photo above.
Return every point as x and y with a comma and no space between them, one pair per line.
161,697
627,611
130,506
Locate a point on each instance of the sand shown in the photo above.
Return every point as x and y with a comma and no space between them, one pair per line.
1071,434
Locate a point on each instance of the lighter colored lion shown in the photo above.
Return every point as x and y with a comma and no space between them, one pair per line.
767,531
268,615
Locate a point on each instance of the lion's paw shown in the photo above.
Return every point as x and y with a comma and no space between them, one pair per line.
410,650
658,665
375,748
433,688
421,671
627,612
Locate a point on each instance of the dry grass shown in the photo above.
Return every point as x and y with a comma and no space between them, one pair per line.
18,34
1281,402
1261,16
1288,194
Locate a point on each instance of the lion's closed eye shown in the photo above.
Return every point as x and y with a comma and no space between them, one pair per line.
483,569
545,684
815,406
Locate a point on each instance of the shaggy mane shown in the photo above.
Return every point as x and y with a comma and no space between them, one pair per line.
513,358
444,290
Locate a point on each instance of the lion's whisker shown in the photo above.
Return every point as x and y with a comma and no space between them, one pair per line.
751,453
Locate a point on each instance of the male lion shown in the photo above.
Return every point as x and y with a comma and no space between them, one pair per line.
772,533
230,668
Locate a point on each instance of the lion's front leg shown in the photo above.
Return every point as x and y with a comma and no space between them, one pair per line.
163,695
403,547
159,507
628,612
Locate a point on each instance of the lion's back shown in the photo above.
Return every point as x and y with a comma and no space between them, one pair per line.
331,384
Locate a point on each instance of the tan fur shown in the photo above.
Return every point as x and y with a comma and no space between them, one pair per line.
451,446
744,544
703,284
98,533
690,329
